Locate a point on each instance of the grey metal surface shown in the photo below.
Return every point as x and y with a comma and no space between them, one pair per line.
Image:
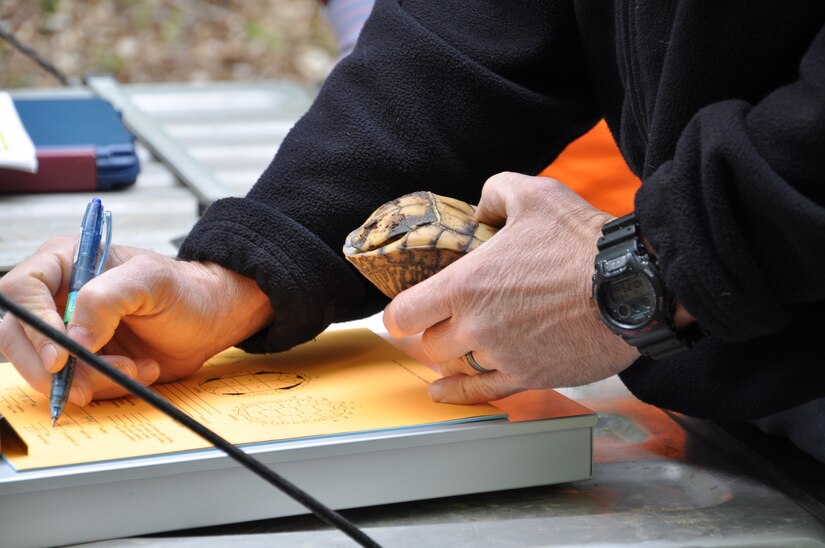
193,174
231,129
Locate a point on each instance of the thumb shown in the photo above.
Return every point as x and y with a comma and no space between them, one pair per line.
469,389
492,208
101,304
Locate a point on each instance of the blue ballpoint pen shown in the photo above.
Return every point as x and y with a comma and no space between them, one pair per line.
83,270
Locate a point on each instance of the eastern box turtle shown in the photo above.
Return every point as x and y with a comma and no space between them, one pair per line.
413,237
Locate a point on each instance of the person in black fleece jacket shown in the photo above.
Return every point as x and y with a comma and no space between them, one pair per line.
718,108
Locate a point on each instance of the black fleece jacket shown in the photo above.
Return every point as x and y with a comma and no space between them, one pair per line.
719,107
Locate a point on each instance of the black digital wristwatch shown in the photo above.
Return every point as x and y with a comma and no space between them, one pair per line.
629,293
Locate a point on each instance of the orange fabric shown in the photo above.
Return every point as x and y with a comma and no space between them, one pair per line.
594,168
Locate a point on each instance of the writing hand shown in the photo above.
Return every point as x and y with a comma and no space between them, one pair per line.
152,317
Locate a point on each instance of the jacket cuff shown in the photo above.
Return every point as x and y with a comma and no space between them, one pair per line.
308,284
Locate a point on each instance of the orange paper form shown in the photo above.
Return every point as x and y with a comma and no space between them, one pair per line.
344,381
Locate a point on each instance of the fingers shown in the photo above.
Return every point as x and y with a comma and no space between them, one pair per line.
89,384
492,208
419,307
21,352
469,389
100,305
463,384
38,283
33,285
462,365
456,366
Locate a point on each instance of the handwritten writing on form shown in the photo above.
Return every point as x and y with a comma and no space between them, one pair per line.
344,381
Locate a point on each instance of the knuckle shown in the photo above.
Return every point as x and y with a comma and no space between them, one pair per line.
398,316
474,333
535,191
143,262
479,390
462,391
452,367
34,336
91,296
503,178
486,333
464,289
58,243
435,342
428,347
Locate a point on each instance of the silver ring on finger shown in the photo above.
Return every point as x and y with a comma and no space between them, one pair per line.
474,364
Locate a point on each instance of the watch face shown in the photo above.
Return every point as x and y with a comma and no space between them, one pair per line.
630,301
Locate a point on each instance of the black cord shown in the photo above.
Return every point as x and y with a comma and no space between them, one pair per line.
32,54
330,516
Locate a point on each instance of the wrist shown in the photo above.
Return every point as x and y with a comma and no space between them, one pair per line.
681,317
242,309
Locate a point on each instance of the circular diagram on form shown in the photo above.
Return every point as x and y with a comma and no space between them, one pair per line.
292,411
253,382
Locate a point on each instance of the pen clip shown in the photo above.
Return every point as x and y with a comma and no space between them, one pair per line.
107,220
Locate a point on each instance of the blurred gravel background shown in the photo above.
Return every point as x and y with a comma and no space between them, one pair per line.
168,41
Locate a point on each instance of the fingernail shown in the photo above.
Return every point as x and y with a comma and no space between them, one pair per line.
436,392
81,336
128,369
148,372
48,353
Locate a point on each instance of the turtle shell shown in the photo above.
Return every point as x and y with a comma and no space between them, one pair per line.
413,237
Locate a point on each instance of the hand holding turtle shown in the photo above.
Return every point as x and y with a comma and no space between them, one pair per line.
520,302
151,316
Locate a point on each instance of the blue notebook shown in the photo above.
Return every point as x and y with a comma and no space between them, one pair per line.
81,144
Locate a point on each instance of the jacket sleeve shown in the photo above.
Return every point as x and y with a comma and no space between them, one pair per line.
436,96
737,218
744,199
